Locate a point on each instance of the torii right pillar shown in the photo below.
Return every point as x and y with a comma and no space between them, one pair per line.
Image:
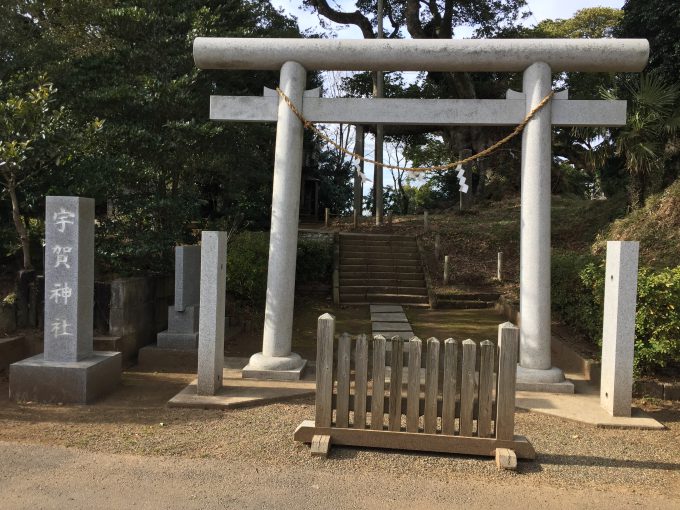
535,371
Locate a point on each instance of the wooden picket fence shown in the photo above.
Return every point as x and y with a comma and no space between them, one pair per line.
475,419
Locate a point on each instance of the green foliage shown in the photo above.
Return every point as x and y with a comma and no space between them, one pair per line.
247,256
247,259
160,162
578,297
577,292
658,22
656,226
657,322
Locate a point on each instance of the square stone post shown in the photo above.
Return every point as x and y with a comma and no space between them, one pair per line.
69,278
618,330
211,321
276,361
68,370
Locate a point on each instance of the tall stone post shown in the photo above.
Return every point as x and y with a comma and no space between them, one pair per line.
276,361
68,370
618,330
211,319
535,371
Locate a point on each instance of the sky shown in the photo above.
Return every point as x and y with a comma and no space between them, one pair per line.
540,9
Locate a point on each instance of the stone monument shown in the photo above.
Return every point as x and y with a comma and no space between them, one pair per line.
183,316
68,371
618,330
211,322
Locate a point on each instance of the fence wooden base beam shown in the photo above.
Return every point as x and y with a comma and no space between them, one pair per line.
506,459
523,449
321,446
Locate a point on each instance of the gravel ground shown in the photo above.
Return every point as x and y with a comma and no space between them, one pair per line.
134,420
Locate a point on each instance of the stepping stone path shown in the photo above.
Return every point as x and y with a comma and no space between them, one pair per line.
389,321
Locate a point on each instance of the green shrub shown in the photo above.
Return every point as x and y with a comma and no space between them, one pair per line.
578,296
657,321
247,258
314,261
247,255
575,294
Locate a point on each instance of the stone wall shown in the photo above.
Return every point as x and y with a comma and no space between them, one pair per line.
133,309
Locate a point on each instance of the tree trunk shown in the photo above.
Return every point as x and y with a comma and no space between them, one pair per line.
636,191
19,225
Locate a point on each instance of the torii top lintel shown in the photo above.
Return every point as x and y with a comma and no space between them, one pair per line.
491,55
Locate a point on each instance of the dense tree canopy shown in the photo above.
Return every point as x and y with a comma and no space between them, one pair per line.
161,164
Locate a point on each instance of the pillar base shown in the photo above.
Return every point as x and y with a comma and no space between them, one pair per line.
274,368
69,382
550,380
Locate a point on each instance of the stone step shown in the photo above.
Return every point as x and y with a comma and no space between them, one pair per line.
387,261
382,275
373,269
379,253
471,296
374,237
464,304
417,282
409,243
406,299
371,289
107,343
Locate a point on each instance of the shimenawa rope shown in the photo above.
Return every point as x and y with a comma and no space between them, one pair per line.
520,127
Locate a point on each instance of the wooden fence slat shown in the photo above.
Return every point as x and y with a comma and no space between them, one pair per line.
467,387
360,378
485,400
431,386
413,396
395,383
508,341
344,356
324,369
377,400
449,386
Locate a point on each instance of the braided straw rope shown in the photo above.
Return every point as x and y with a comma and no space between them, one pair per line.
520,127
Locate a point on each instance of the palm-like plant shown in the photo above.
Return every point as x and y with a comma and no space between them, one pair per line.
649,138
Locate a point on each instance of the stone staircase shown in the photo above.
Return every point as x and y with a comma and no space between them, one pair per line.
377,268
469,300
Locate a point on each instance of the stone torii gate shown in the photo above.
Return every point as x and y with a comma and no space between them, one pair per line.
536,58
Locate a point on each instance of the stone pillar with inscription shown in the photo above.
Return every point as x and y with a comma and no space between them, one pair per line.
68,371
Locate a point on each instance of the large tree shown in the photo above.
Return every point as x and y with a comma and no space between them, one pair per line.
162,165
443,19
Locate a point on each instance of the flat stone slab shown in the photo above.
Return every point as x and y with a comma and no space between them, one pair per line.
69,382
389,334
386,308
583,406
543,387
154,358
249,372
388,317
390,326
238,392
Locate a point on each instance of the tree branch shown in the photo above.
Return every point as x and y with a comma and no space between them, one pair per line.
344,18
413,24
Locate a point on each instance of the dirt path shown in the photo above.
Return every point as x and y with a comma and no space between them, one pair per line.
56,477
129,450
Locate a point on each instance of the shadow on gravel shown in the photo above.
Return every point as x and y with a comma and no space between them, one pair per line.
605,462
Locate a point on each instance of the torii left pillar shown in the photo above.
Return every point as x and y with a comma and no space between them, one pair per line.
277,361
